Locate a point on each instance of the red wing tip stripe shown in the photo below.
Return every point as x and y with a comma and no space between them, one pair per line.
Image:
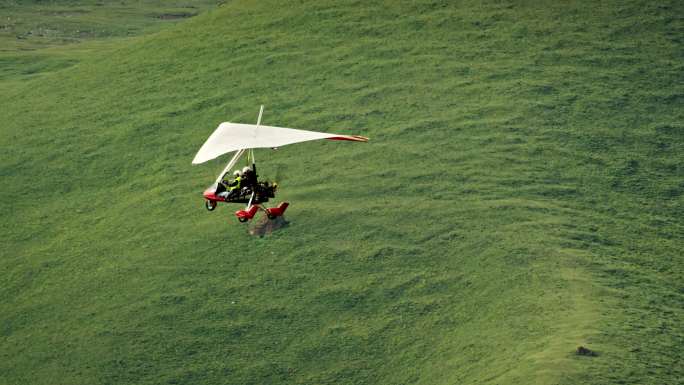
355,138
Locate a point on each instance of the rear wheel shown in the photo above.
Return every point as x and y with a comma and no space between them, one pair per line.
210,205
271,216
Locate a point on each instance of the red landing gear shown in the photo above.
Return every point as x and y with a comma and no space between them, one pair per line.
277,211
245,215
271,213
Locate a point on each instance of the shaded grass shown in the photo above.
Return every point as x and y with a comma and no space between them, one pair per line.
28,28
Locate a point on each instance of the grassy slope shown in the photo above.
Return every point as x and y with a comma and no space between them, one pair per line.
34,33
522,195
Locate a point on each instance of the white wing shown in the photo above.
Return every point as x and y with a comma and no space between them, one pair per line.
235,136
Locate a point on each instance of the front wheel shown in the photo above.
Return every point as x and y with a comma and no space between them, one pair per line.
210,205
242,220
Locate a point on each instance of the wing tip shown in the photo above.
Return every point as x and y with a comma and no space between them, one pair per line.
353,138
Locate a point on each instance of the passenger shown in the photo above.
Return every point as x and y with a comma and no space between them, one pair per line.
247,177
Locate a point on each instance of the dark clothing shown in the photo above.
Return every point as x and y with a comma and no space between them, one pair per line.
249,178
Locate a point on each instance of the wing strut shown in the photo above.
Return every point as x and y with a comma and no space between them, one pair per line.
256,130
241,152
232,162
251,198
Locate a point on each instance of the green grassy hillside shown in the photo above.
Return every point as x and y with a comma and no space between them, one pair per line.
522,195
32,33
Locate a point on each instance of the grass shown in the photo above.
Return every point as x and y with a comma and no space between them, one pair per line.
33,34
521,196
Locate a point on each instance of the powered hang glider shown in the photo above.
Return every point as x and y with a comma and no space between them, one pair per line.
245,187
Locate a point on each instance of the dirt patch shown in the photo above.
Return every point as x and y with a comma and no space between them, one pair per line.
265,226
175,15
582,351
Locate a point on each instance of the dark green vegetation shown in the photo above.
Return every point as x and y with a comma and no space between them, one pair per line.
521,195
28,28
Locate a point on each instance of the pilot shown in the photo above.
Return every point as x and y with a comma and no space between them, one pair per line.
237,181
232,187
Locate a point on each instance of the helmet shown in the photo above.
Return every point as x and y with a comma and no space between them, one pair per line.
246,169
237,173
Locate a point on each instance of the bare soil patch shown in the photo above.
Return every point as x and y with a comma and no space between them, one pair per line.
582,351
175,15
265,226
